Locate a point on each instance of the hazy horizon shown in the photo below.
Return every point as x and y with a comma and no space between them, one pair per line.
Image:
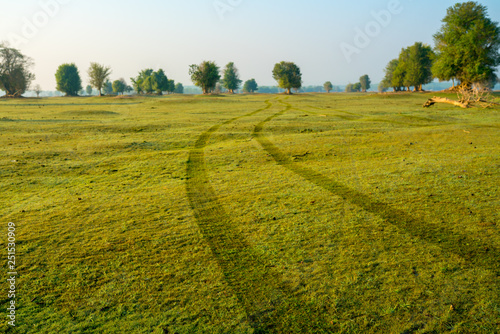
335,42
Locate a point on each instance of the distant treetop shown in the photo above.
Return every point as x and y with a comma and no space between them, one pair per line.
288,76
68,79
206,76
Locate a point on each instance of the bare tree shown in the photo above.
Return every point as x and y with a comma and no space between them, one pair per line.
37,89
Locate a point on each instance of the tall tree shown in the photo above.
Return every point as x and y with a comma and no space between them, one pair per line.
68,79
231,79
414,67
328,86
206,75
98,75
365,82
467,45
288,76
15,75
250,86
419,71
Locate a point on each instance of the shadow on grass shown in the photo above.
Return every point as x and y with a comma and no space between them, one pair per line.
271,305
472,250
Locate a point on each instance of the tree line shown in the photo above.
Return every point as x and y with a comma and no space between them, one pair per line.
466,51
15,78
207,76
362,86
148,81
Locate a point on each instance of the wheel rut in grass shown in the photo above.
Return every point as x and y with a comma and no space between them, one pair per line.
473,251
270,304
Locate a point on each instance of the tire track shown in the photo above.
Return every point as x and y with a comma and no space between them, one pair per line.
271,305
473,251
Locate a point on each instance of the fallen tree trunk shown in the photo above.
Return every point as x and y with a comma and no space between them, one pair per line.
435,100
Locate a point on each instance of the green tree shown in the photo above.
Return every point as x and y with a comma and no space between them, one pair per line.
467,45
68,79
89,90
349,88
414,67
143,83
231,79
399,74
356,87
419,59
119,86
171,86
159,82
365,82
15,75
206,75
149,82
288,76
179,88
107,88
250,86
444,69
328,86
387,82
98,75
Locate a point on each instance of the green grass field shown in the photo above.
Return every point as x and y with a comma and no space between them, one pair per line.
251,214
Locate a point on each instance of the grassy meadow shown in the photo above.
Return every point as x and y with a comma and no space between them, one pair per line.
310,213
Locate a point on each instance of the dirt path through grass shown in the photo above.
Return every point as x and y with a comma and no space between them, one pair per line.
271,305
472,250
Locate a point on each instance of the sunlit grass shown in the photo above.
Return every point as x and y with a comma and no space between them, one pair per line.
238,214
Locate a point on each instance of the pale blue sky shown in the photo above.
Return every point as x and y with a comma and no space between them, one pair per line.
132,35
